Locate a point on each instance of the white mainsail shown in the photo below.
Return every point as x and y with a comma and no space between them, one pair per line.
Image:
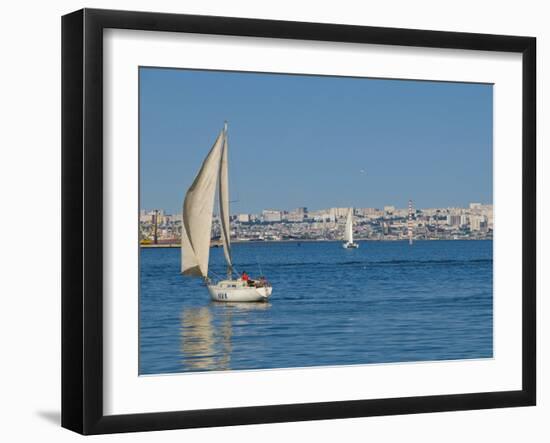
223,192
198,208
348,236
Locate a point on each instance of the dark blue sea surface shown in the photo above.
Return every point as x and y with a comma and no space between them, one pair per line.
384,302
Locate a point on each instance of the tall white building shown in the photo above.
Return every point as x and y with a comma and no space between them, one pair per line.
243,218
453,220
271,215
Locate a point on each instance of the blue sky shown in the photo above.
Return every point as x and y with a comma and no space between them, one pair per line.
316,141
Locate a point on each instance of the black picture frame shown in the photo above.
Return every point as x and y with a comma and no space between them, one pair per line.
82,220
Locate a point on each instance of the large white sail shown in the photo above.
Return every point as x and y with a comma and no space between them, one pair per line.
223,192
349,226
198,208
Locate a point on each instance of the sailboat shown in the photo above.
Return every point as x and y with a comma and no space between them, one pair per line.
197,214
348,232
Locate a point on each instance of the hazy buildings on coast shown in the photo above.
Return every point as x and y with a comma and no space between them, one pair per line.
390,223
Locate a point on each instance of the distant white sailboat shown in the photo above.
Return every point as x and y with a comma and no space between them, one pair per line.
348,232
197,214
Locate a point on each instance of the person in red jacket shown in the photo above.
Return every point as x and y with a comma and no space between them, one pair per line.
245,277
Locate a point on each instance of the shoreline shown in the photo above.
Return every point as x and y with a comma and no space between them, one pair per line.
178,245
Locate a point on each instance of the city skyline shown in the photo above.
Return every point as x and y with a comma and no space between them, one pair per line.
330,142
160,229
308,209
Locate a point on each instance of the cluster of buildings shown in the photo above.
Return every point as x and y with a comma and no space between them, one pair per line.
389,223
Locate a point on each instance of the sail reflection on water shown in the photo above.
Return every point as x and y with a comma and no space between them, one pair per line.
206,334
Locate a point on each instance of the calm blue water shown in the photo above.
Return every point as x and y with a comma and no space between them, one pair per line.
383,302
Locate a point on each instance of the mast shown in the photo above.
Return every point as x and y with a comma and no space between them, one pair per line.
155,226
223,195
349,226
409,223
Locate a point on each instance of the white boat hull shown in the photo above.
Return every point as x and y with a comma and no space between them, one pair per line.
237,291
349,245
